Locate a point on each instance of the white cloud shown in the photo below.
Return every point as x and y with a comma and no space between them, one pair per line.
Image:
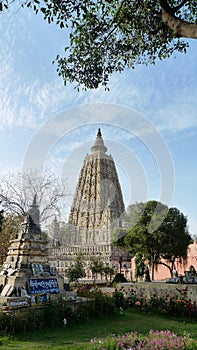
27,104
176,116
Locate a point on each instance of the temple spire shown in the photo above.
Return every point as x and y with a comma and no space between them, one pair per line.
98,204
99,144
34,218
34,200
99,133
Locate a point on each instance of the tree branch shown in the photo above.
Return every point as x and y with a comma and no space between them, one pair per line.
172,10
163,263
180,28
178,7
114,21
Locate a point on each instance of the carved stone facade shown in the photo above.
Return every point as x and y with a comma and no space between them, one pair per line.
97,209
98,204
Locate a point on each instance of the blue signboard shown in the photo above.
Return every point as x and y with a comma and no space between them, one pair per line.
48,285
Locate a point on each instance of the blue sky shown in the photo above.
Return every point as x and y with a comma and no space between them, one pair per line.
37,112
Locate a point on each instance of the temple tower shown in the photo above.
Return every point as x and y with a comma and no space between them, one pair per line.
98,205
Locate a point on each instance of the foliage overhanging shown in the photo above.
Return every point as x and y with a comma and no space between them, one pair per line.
107,36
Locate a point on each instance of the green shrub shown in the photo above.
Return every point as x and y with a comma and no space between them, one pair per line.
104,304
119,299
178,305
86,290
119,278
4,340
32,318
52,314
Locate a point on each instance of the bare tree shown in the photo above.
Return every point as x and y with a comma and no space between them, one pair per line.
17,191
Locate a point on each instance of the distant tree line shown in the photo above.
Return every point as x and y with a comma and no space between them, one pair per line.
77,270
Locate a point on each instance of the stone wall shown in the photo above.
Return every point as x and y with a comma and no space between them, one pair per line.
148,289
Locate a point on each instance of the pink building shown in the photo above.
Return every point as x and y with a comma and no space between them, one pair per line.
162,272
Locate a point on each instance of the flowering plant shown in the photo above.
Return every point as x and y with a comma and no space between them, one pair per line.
155,340
172,305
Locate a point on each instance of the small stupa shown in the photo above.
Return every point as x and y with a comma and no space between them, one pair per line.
26,276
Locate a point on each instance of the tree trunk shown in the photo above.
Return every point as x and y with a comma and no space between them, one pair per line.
172,267
153,270
181,28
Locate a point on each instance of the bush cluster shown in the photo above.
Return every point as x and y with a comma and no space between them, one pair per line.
102,303
52,314
179,305
119,278
87,290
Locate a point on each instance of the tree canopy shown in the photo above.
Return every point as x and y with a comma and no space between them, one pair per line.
77,270
96,266
107,36
159,234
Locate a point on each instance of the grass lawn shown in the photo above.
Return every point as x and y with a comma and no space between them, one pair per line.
77,336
